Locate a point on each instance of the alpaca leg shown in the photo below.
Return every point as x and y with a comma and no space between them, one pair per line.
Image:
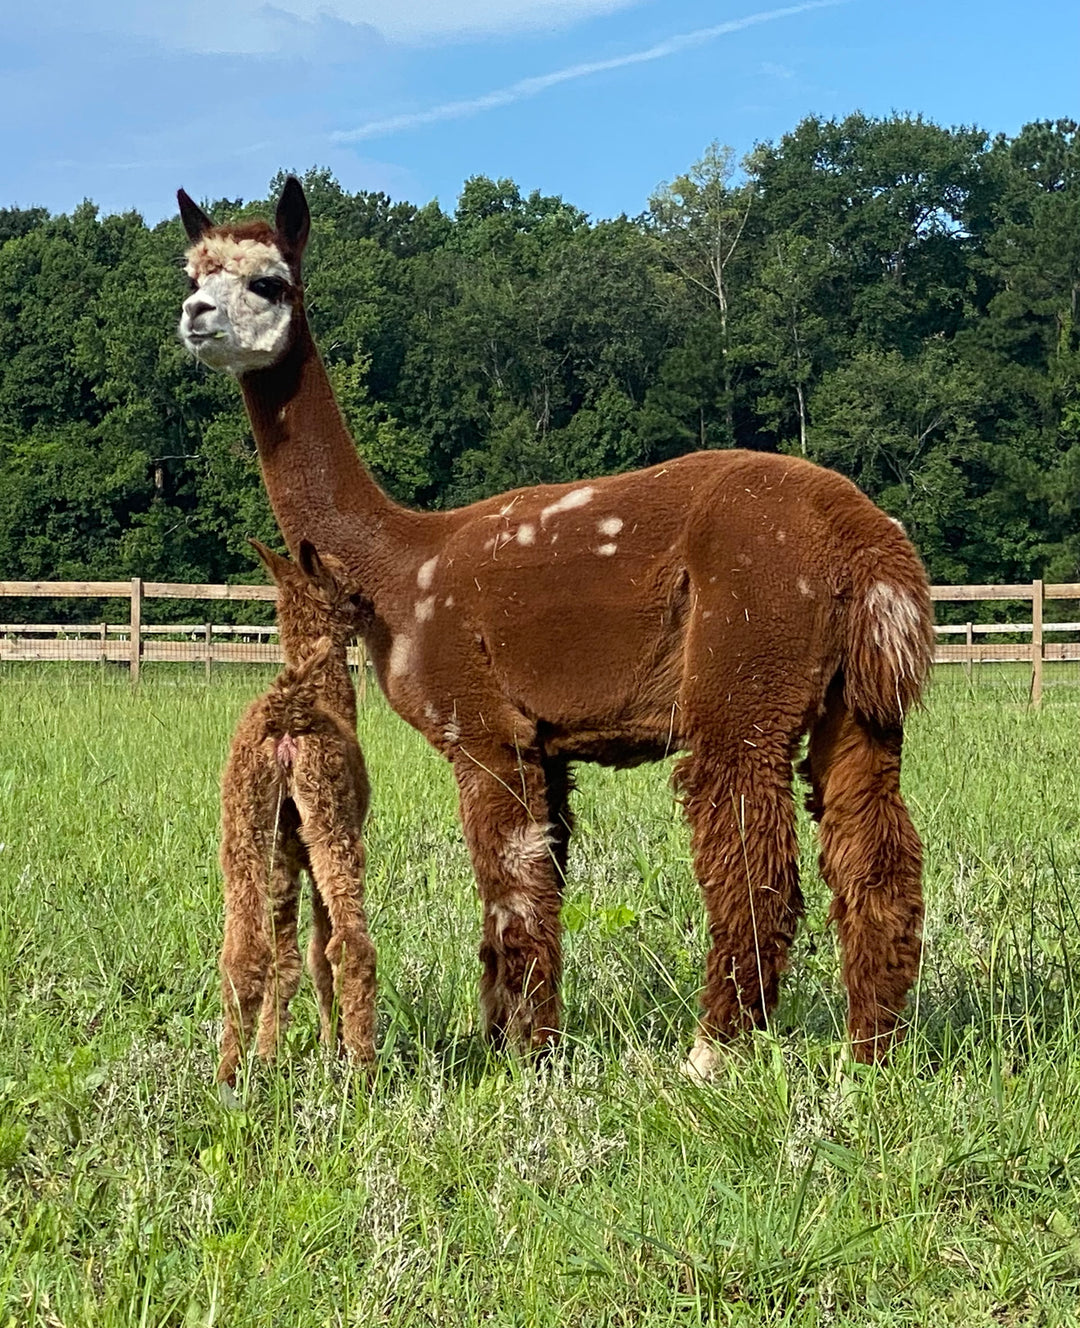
504,812
319,966
871,858
337,867
745,856
560,784
246,954
285,966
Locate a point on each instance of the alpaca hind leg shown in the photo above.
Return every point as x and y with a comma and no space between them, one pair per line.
246,952
871,858
745,856
337,867
560,784
504,813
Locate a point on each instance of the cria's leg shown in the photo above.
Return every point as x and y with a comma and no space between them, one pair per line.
745,856
249,950
319,966
285,966
504,812
871,858
337,866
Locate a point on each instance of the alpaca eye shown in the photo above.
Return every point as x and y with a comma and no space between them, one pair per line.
269,288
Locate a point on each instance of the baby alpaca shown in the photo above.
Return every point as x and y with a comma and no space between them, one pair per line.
294,795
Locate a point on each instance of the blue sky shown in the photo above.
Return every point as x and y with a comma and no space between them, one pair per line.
121,101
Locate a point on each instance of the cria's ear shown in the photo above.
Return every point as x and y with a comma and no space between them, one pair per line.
278,567
195,220
293,220
313,567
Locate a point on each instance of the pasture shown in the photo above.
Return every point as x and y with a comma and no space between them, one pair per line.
601,1188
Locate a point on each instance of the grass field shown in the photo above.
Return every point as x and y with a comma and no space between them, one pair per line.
599,1189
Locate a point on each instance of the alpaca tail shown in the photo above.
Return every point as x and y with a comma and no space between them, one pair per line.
889,644
296,691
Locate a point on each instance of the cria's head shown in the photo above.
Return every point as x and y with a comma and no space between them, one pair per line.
245,284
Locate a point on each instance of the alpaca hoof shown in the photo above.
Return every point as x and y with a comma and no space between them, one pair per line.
703,1062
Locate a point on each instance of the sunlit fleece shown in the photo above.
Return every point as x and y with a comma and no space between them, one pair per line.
530,87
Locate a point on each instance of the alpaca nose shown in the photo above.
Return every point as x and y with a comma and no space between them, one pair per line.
197,309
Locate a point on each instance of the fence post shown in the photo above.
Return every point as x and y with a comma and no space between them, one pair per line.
1036,643
104,630
969,637
209,649
136,626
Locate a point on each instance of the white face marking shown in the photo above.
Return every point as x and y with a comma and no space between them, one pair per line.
400,655
896,627
426,573
526,533
568,502
224,323
611,525
606,550
425,608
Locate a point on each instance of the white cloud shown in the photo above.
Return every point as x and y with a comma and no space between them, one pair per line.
530,87
255,27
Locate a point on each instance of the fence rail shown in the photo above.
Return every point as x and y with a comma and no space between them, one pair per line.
135,642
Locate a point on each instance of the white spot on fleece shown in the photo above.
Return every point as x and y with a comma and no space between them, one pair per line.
525,846
513,905
448,602
803,585
703,1061
452,732
895,616
897,523
781,536
526,533
426,573
606,550
430,713
425,608
611,525
400,655
568,502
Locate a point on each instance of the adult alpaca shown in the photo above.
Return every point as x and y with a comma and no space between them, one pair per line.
294,795
723,604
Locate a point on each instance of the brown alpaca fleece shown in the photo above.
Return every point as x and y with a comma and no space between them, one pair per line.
723,604
293,797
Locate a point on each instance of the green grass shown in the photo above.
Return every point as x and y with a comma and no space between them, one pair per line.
599,1189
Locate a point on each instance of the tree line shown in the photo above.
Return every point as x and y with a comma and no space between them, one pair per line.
888,297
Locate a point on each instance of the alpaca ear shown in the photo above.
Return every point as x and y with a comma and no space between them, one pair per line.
195,220
275,564
293,220
316,570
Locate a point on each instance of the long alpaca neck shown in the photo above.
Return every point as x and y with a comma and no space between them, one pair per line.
330,679
319,488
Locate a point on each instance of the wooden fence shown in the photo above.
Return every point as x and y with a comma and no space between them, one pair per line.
135,642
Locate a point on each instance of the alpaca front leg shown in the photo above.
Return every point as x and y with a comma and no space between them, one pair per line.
504,806
319,966
285,966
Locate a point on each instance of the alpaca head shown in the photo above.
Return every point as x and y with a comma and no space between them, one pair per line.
316,597
245,284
